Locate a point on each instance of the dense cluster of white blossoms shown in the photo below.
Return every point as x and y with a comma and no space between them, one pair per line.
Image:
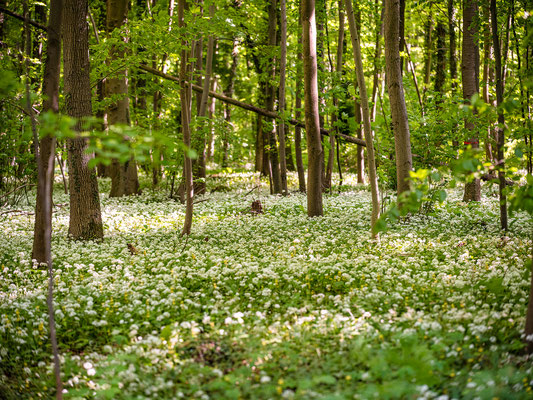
242,290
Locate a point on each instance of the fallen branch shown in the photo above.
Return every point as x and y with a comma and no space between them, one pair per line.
246,106
20,212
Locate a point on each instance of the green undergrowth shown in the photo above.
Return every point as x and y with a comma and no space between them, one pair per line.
274,305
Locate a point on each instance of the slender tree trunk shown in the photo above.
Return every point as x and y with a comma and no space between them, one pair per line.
227,108
124,180
44,154
312,121
271,96
371,160
185,100
210,151
452,47
297,129
500,129
281,106
487,56
400,122
85,216
47,145
470,75
428,46
377,56
401,30
334,119
199,138
440,73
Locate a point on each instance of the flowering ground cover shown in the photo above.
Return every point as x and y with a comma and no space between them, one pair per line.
274,305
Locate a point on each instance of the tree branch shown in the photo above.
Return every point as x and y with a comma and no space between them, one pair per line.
246,106
21,18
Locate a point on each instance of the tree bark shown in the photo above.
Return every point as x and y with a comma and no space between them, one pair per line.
312,121
297,114
400,122
452,48
44,154
230,88
199,139
85,216
124,179
487,56
470,77
500,129
281,104
428,46
440,73
52,66
371,160
185,101
271,97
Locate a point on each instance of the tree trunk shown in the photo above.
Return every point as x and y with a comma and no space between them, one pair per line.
440,73
281,104
124,180
199,138
487,56
452,48
377,56
210,150
185,101
428,46
44,154
400,122
271,96
337,77
85,216
52,66
371,160
230,88
500,129
312,121
470,77
298,107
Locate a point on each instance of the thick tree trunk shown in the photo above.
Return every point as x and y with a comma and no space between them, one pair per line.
47,145
371,160
400,122
281,104
312,121
470,75
185,101
85,216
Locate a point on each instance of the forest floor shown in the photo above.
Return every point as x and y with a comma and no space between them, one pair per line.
274,305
